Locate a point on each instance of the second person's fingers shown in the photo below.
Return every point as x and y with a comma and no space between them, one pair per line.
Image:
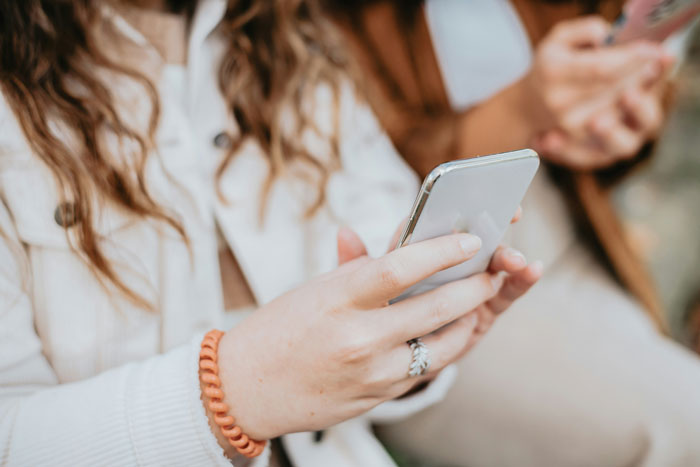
581,32
507,259
644,110
574,154
515,286
611,64
617,139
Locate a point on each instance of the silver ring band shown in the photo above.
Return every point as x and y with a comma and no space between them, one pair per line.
420,361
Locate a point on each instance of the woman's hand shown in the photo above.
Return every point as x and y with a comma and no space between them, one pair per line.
516,278
614,134
333,348
595,104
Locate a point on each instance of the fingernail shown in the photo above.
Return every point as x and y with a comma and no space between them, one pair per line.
517,257
553,142
470,243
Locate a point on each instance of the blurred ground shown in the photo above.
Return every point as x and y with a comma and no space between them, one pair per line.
661,202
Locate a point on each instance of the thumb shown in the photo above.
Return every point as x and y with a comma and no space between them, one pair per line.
590,31
350,246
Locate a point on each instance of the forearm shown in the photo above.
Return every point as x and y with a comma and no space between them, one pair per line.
507,121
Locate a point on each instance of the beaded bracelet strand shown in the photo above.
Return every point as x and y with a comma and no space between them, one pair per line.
209,376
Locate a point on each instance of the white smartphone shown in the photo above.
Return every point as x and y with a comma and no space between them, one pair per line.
479,196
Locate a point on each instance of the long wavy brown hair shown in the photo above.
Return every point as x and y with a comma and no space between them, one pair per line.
278,51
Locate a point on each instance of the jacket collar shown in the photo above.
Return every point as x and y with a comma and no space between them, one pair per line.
207,17
208,14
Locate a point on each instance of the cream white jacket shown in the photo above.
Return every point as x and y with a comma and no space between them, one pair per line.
87,378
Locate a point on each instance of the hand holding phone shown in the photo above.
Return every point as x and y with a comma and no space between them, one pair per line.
478,196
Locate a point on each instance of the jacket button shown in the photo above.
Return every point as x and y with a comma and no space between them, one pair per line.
222,141
66,215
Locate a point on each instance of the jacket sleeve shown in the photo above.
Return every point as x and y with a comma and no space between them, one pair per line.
143,413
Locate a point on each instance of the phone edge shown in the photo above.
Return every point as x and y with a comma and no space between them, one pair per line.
447,167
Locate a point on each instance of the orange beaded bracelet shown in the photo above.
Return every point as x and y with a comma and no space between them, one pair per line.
209,376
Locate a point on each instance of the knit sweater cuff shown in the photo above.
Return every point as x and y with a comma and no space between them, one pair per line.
168,423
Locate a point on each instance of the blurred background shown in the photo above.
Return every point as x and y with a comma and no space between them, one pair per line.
660,203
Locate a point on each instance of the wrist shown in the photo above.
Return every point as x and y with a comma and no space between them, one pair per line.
508,121
527,105
226,427
255,400
229,450
242,387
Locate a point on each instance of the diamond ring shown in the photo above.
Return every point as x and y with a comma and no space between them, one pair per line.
420,361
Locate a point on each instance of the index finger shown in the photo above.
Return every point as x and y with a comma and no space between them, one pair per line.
589,31
387,277
610,64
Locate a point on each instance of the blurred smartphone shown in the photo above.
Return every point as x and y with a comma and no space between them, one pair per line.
653,20
479,196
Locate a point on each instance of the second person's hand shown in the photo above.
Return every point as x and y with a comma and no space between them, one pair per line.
594,104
